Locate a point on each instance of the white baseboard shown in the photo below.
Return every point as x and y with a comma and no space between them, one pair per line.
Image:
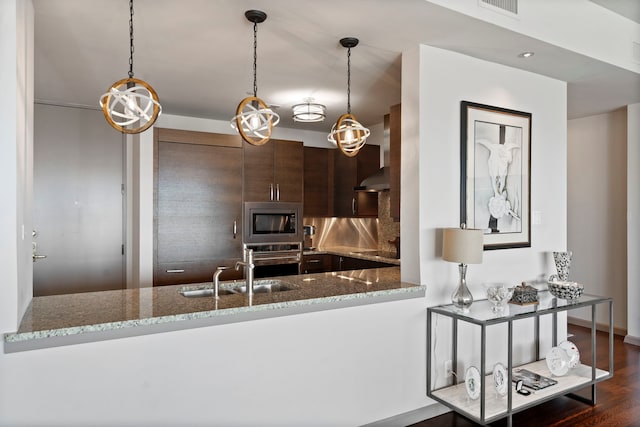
599,326
632,340
411,417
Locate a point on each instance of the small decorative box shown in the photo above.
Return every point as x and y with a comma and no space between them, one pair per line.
524,295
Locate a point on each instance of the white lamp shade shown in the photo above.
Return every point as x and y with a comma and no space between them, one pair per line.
462,245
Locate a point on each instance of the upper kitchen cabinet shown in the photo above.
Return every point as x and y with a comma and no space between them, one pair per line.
273,171
197,205
395,138
349,172
318,182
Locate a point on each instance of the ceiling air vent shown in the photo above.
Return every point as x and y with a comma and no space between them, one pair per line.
510,6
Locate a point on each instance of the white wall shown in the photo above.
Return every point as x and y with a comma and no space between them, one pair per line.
9,222
340,367
435,81
443,80
597,214
633,227
16,162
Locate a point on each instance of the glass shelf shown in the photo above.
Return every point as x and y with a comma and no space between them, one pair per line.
481,312
489,406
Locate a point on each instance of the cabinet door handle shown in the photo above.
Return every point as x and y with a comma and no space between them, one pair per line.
353,205
235,229
278,192
175,271
271,192
313,261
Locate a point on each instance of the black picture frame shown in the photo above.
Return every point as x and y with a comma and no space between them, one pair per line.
495,174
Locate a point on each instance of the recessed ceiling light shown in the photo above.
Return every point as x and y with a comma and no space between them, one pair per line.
526,54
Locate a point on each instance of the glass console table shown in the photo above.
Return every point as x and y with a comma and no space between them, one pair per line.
490,405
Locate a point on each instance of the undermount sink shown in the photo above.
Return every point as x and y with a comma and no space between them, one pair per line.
201,293
261,286
265,286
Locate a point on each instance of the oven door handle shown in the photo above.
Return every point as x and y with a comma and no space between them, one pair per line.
294,258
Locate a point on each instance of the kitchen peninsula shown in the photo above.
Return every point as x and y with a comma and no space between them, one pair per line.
94,316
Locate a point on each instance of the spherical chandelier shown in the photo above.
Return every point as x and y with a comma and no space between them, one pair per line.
254,120
130,105
347,133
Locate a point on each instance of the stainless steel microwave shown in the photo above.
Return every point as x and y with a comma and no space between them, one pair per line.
272,222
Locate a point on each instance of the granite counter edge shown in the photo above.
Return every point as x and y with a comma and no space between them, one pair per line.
15,342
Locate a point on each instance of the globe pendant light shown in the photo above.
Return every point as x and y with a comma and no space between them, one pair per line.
254,120
130,105
347,133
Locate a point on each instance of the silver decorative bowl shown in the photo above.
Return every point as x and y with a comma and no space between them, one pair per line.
499,295
565,290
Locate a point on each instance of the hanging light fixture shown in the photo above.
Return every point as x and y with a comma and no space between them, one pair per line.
347,133
254,120
130,105
309,112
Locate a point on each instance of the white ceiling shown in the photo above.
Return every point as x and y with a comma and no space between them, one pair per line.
627,8
197,54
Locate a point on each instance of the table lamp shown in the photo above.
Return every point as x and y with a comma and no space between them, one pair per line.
464,246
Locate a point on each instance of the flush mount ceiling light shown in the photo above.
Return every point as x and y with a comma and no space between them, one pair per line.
526,54
254,120
347,133
130,105
309,112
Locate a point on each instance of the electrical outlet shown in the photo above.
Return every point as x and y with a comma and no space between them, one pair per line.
447,368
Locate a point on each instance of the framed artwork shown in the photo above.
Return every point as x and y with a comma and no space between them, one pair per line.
495,194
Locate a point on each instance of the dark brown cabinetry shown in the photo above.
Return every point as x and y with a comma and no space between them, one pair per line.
197,205
318,182
316,263
323,263
343,263
330,178
273,171
348,173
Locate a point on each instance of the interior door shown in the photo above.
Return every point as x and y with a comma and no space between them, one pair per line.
78,202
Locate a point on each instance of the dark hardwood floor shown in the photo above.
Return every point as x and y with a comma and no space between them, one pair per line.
618,398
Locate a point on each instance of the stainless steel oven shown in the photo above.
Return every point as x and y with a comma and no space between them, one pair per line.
273,230
272,222
278,259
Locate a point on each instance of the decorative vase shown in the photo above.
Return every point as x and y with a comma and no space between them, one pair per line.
563,264
461,297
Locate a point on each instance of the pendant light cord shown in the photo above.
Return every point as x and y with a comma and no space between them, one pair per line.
349,81
130,39
255,59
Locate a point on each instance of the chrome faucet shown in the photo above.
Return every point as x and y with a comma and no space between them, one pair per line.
216,280
247,262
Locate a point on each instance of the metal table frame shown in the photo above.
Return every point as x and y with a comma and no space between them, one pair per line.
480,314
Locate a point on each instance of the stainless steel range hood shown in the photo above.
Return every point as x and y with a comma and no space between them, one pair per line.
379,181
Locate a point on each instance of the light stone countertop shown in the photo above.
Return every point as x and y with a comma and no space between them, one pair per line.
85,317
